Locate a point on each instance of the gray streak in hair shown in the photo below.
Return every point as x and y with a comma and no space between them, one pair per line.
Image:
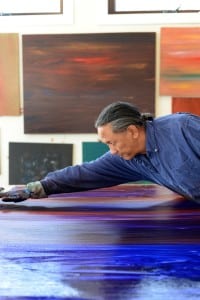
121,115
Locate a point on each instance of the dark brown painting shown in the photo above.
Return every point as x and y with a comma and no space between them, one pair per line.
69,78
33,161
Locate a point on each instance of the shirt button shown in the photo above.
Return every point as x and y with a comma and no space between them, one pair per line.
155,150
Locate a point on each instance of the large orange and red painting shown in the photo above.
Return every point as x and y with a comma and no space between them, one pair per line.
180,62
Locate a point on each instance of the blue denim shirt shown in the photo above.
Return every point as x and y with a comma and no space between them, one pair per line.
172,159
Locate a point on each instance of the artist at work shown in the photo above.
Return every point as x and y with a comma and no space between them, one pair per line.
163,150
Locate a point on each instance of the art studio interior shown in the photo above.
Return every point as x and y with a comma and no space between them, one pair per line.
61,63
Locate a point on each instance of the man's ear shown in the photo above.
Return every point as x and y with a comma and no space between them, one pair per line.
134,131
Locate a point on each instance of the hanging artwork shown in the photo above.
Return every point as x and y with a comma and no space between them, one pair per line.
191,105
9,75
150,6
32,161
180,62
93,150
69,78
36,12
9,8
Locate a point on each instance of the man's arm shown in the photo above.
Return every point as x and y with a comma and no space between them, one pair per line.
106,171
31,190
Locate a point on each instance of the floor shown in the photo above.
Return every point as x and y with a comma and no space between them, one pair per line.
129,242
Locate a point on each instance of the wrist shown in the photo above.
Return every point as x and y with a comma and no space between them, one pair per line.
36,189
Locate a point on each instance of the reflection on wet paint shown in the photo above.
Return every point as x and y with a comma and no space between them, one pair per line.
50,250
101,272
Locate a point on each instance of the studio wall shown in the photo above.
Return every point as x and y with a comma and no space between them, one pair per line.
78,17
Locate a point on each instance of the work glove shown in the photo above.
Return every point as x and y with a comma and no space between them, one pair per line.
16,194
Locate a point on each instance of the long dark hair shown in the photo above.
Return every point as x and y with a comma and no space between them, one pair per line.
121,115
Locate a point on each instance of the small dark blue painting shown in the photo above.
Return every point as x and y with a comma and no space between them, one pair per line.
33,161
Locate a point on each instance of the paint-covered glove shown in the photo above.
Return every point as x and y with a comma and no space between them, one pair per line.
16,194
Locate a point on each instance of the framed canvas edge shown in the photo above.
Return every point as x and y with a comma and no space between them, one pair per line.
103,17
66,17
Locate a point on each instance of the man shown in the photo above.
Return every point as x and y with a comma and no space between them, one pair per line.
164,150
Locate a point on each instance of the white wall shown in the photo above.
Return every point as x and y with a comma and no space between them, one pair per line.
85,16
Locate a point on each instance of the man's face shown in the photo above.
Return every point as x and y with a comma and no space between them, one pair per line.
124,144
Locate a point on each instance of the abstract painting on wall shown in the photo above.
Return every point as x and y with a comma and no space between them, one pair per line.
32,161
93,150
9,75
191,105
180,62
69,78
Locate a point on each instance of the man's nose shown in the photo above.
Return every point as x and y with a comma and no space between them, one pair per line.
113,150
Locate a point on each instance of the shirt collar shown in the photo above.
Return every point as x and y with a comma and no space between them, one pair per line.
151,144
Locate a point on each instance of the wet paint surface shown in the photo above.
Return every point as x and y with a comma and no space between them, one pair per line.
91,246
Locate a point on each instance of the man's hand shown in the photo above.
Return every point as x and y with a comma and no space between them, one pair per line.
15,195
